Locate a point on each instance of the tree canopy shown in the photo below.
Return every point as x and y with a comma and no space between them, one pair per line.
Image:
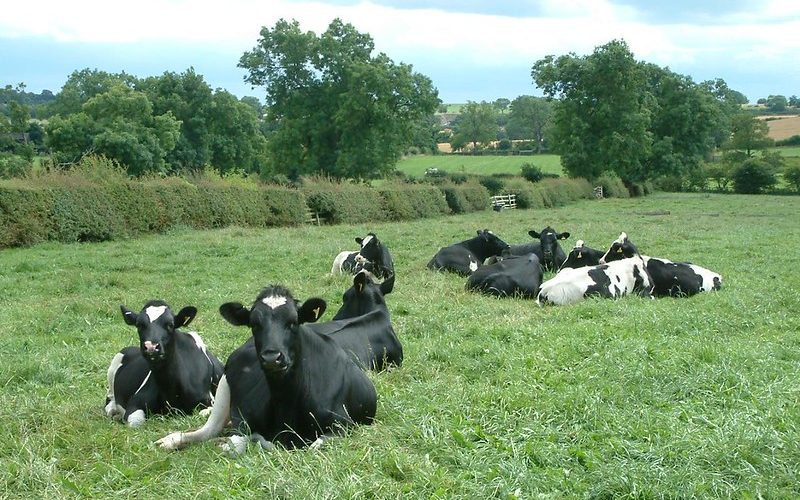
333,106
634,118
476,124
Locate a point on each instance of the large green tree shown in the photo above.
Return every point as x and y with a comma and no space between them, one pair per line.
529,118
334,107
602,119
748,134
119,124
476,124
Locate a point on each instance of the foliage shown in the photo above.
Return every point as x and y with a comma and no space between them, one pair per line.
492,183
335,108
721,173
791,174
13,166
412,201
529,118
531,172
343,202
753,176
790,141
613,186
547,193
466,197
476,124
415,166
748,134
638,119
777,103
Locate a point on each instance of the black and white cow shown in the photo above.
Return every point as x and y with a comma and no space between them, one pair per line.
168,370
581,256
468,255
288,383
671,279
550,253
515,276
363,327
612,280
373,256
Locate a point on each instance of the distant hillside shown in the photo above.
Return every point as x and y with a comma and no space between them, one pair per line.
782,126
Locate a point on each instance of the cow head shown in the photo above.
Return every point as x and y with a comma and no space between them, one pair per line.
364,296
370,247
577,257
548,238
493,243
274,320
621,248
156,326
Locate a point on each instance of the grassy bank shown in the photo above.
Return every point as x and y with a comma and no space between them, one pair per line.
484,165
496,398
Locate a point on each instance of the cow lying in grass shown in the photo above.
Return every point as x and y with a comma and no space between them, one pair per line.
466,256
169,369
516,276
288,383
670,279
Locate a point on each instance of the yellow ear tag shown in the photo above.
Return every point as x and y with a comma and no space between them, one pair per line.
619,250
316,312
360,287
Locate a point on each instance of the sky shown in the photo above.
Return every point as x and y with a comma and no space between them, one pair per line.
472,50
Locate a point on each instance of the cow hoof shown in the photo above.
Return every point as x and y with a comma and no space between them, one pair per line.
317,444
172,441
265,445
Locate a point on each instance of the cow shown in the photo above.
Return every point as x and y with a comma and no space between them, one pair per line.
169,370
288,384
373,256
671,279
516,276
362,326
550,253
611,280
466,256
581,256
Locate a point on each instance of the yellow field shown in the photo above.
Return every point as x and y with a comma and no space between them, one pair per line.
783,127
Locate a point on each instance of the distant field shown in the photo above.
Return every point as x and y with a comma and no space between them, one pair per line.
789,152
784,127
486,165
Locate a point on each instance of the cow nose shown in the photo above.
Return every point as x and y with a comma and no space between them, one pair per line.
273,360
150,347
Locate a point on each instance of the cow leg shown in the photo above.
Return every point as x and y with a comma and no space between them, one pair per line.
112,409
220,415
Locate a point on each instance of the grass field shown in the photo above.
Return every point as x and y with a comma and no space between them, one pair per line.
485,165
496,398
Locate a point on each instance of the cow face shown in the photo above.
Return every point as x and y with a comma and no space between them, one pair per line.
549,241
493,242
577,257
274,320
156,326
621,248
364,296
370,247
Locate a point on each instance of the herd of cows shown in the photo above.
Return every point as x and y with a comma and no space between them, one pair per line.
297,381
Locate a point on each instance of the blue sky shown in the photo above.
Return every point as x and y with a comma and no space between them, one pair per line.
472,50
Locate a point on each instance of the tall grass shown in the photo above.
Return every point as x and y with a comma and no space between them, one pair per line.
496,398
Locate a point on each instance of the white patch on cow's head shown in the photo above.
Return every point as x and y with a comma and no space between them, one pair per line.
473,266
136,418
579,244
366,240
274,301
622,237
155,312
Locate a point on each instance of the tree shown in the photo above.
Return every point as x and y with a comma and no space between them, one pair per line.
477,123
529,118
794,101
777,103
333,106
83,85
753,176
119,124
501,104
748,134
602,119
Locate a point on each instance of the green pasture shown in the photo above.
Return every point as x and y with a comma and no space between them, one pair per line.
415,166
693,397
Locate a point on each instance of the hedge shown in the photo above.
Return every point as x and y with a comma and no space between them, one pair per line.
467,197
412,201
548,192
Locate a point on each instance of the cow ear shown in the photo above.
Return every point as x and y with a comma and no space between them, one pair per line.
563,236
359,280
185,316
235,313
311,310
128,315
388,284
359,239
533,234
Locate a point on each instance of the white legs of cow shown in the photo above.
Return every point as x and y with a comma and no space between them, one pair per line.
217,420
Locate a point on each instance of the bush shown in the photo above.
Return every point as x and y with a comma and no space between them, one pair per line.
754,176
493,184
467,197
549,192
791,141
791,174
531,172
343,202
13,166
407,202
613,187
